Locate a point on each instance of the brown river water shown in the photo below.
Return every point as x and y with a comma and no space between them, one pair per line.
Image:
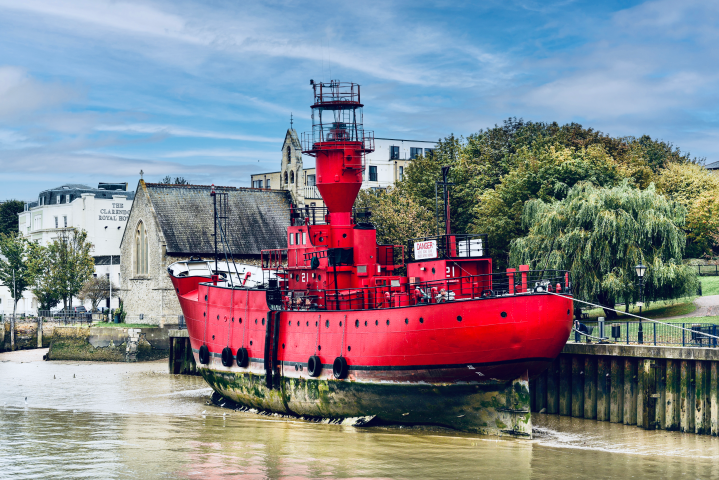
127,421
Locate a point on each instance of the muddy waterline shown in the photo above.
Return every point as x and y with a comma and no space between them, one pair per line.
92,420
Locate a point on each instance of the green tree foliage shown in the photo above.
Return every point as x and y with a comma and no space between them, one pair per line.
493,166
178,181
72,264
97,289
15,262
44,285
8,216
600,234
396,216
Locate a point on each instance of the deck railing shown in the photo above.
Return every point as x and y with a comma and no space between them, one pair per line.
393,293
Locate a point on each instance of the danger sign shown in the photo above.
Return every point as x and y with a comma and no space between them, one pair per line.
426,249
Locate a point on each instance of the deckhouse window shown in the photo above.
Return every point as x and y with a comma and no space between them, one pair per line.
141,250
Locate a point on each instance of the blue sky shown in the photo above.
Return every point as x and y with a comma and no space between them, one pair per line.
95,90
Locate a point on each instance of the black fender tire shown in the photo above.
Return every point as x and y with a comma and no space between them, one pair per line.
227,357
314,366
242,357
340,369
314,263
204,355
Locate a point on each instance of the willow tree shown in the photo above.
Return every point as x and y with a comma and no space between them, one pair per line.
600,235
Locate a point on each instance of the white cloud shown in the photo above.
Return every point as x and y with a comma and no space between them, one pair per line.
20,94
151,129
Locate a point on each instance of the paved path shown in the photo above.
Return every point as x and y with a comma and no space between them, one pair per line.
24,356
706,307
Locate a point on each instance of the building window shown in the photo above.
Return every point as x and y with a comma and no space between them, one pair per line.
414,152
57,200
257,184
311,182
372,173
55,222
428,152
292,177
267,183
393,153
289,155
401,173
141,250
37,222
64,220
286,182
67,198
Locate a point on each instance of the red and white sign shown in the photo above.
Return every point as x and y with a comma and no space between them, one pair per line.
426,249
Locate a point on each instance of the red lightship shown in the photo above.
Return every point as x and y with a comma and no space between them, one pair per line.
333,329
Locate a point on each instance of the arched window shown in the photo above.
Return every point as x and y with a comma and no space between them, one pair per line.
141,250
286,178
289,156
292,177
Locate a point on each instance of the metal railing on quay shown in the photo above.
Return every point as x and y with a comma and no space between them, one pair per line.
685,334
67,317
707,270
393,294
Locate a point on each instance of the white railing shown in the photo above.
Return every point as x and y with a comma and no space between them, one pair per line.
311,192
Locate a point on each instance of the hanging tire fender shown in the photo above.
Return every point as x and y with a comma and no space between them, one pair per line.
340,369
227,357
204,355
314,366
242,357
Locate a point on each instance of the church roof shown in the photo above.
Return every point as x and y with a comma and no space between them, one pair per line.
292,134
256,219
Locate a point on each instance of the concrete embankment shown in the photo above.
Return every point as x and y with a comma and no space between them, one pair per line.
111,344
652,387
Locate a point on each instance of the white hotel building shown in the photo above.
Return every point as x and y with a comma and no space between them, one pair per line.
102,212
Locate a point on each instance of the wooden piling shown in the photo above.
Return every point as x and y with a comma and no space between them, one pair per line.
553,388
540,402
685,408
590,387
616,393
603,372
701,390
630,391
565,385
714,398
648,401
661,389
577,386
671,399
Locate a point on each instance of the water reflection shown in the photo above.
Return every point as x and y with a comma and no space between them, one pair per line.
135,421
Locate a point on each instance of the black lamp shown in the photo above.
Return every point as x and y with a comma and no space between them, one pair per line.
640,269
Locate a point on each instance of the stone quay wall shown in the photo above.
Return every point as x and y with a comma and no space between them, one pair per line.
26,333
110,344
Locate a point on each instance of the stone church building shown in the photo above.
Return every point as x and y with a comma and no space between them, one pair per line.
170,223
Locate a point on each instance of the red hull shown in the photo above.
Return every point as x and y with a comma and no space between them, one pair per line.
466,341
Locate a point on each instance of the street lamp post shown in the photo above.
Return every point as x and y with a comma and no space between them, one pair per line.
640,269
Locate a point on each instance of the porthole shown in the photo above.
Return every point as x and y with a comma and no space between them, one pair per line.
240,320
204,314
317,324
205,297
421,320
406,320
250,342
344,235
289,324
263,321
357,323
432,269
349,349
319,278
255,321
283,346
319,347
308,324
233,319
376,322
340,324
388,321
365,323
322,239
327,323
213,337
218,317
504,314
459,318
567,312
298,323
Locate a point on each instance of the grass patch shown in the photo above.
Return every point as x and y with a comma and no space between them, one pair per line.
710,285
123,325
683,306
